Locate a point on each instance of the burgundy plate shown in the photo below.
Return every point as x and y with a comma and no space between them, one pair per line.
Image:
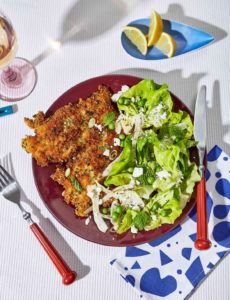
51,191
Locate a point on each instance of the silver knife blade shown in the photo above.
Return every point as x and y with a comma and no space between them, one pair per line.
200,122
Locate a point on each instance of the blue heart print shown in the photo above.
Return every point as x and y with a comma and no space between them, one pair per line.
152,283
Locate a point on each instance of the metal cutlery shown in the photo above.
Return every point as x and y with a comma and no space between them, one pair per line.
202,242
10,190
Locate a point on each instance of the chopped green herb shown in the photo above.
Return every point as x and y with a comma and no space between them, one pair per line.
108,118
113,155
76,184
111,126
67,172
141,220
91,123
103,148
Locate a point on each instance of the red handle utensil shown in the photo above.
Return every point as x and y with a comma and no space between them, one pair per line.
202,242
68,276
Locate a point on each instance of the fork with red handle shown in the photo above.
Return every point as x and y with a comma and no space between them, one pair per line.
10,190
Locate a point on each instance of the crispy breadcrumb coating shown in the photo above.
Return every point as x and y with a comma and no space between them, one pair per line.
65,138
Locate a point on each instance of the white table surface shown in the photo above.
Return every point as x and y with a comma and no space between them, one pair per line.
25,270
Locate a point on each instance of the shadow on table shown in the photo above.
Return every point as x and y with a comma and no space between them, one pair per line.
50,230
215,126
86,20
184,88
175,12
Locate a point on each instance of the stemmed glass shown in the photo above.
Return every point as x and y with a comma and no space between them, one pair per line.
18,76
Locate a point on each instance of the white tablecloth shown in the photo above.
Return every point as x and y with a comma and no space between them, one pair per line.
25,270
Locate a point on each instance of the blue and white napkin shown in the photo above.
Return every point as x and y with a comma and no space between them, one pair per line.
170,267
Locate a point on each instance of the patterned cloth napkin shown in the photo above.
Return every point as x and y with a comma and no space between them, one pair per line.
170,267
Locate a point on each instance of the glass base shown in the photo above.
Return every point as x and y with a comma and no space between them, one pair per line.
17,80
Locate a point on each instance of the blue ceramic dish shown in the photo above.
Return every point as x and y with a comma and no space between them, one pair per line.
187,39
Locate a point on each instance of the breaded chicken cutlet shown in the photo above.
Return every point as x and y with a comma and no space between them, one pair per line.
61,135
67,139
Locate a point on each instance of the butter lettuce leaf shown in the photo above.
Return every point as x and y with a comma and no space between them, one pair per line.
168,158
125,223
127,159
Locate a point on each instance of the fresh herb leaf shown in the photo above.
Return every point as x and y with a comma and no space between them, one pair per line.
147,173
108,118
141,220
102,148
76,184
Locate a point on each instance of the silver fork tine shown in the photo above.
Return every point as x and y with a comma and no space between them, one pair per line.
7,178
1,185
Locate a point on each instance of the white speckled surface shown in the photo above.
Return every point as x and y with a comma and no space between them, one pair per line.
25,270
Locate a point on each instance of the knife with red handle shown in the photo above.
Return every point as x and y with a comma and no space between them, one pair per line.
202,242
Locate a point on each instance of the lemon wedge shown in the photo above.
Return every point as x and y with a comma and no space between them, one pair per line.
155,28
137,37
166,44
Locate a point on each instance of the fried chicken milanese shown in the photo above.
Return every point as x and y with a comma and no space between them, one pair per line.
65,138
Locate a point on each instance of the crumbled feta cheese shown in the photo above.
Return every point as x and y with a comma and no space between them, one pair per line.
133,99
124,122
137,182
124,88
137,172
157,108
117,142
98,189
163,116
163,174
98,126
129,199
154,217
133,229
106,152
116,96
87,220
156,115
100,202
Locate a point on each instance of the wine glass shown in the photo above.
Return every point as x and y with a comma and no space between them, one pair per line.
18,76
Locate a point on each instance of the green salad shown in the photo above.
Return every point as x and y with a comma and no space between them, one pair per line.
152,179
